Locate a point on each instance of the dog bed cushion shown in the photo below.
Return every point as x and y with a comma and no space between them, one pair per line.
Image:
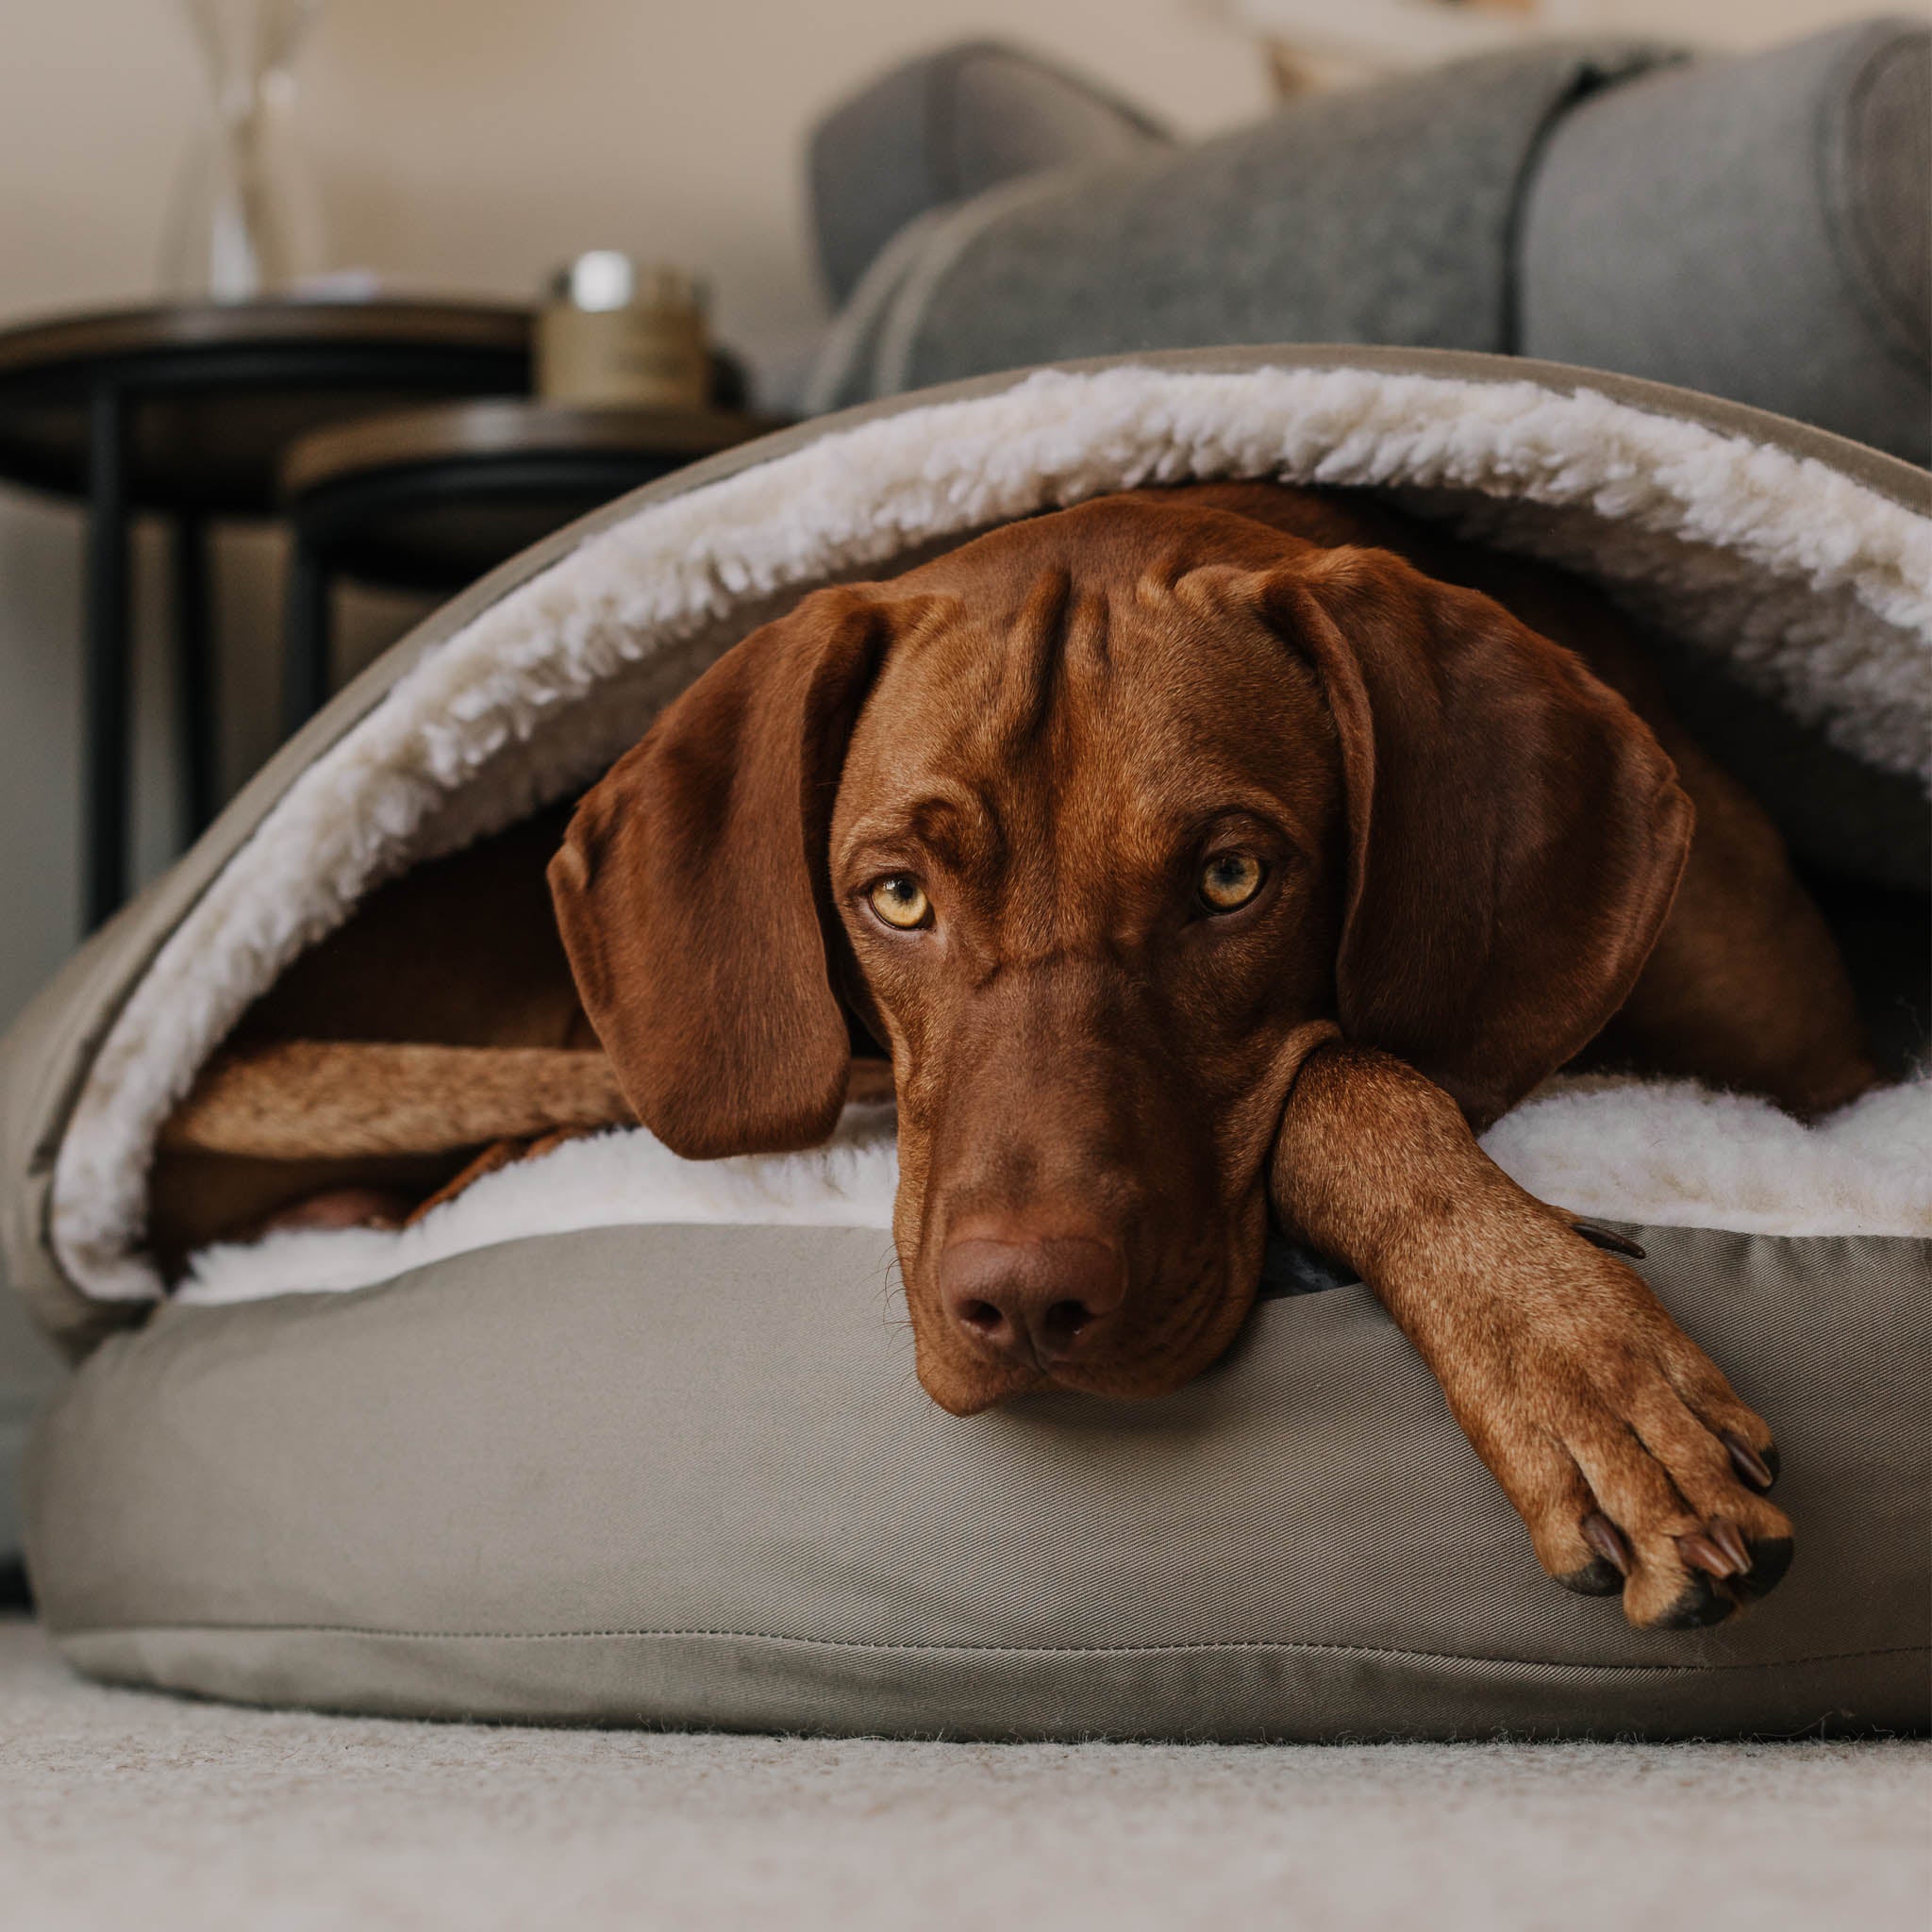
617,1438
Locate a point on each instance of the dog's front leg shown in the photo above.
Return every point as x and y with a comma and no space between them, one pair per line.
1616,1438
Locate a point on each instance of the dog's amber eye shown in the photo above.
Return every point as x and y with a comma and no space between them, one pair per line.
1229,880
900,900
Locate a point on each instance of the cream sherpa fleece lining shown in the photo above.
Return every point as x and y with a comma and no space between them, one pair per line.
1685,1158
1817,589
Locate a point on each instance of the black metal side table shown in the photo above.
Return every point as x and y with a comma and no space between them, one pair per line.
187,411
432,499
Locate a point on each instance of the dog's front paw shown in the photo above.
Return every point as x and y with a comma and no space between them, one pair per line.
1626,1451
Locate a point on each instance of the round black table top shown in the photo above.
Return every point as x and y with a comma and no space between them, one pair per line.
499,428
432,498
219,391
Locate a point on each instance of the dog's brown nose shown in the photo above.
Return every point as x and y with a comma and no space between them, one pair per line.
1035,1300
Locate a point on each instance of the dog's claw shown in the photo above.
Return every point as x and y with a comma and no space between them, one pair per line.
1760,1471
1606,1540
1726,1537
1702,1553
1608,1238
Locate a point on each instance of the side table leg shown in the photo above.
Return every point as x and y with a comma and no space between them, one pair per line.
304,638
198,718
109,657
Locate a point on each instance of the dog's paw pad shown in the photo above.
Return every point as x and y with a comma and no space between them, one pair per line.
1702,1603
1597,1578
1770,1557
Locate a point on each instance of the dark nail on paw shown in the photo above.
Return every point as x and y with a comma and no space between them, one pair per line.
1608,1238
1702,1553
1606,1540
1725,1536
1760,1471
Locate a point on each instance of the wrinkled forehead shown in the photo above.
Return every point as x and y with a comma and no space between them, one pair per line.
1098,697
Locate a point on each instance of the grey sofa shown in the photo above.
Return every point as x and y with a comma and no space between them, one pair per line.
1754,228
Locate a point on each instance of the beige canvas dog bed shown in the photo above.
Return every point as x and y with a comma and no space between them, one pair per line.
620,1437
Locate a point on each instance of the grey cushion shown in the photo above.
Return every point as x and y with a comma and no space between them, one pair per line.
944,128
685,1476
1383,215
1755,228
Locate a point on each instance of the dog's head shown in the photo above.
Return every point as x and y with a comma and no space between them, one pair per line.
1101,822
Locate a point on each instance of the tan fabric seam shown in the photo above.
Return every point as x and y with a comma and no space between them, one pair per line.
1451,1656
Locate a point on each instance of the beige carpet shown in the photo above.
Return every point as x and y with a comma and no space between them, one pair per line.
124,1810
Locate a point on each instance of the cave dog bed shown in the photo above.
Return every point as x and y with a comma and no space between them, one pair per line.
620,1439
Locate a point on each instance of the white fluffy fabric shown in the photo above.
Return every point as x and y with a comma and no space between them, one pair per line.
1769,557
1668,1155
611,1180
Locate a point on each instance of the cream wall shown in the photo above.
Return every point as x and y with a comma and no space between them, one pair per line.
467,145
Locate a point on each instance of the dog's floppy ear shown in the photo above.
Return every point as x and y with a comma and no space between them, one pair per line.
1515,831
692,896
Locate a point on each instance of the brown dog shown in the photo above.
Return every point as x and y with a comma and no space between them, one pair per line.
1201,852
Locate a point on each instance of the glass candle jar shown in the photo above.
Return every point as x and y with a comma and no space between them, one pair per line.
612,334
